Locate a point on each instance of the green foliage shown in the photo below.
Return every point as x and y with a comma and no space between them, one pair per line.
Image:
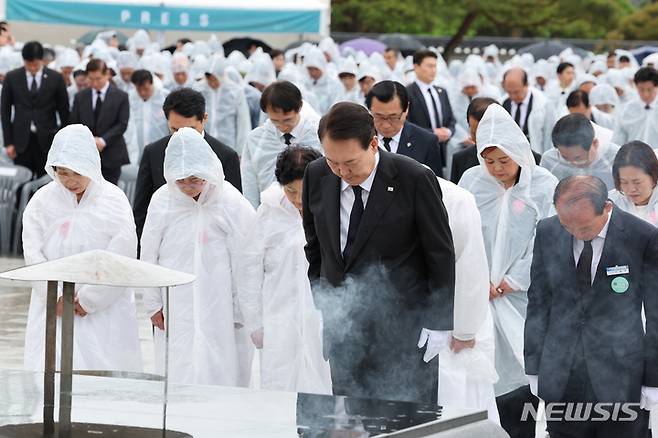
546,18
641,25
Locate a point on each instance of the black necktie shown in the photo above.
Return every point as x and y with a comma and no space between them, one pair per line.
437,119
517,115
647,107
287,138
387,143
584,267
97,108
355,220
33,87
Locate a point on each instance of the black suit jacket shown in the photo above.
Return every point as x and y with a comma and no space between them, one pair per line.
150,176
51,99
467,158
404,235
419,114
112,123
422,146
507,104
620,357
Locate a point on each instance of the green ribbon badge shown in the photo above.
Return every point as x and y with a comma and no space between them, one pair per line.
619,285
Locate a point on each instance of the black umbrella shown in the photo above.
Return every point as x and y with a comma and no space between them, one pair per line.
547,48
244,44
296,44
89,37
406,44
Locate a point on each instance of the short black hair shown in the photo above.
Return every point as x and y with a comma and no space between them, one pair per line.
573,130
96,65
385,91
281,95
185,102
392,49
583,186
292,162
32,51
140,77
563,66
524,74
347,120
624,58
478,107
276,52
637,154
79,72
420,55
576,98
646,74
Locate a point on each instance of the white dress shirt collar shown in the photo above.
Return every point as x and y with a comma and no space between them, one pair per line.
367,184
394,143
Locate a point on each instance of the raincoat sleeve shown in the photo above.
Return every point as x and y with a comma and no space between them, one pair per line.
539,307
549,121
471,272
518,275
244,266
34,237
152,235
432,223
124,242
242,122
620,135
250,295
247,171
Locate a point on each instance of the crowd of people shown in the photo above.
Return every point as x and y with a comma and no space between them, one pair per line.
342,212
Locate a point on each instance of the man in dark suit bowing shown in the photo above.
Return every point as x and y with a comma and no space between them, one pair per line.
388,103
429,105
32,97
184,108
105,110
381,261
594,268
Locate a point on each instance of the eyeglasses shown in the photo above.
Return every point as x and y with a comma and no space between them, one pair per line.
390,118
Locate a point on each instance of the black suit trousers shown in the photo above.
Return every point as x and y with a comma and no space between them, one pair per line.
111,174
33,157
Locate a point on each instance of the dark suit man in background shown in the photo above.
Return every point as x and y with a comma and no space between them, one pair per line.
429,106
105,110
594,267
184,108
388,103
381,261
467,157
37,95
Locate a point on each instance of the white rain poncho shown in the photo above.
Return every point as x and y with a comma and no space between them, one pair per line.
354,95
603,94
617,78
509,217
179,64
262,70
147,122
56,225
466,378
229,120
647,212
264,145
635,122
250,93
541,120
279,300
205,238
125,60
601,167
292,74
328,89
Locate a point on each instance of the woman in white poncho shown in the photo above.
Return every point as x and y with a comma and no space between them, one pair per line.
513,194
278,306
635,172
197,224
80,211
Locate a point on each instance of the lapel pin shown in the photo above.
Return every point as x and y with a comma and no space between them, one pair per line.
409,144
390,189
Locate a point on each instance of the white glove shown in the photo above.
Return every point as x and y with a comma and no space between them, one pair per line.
649,398
534,381
435,340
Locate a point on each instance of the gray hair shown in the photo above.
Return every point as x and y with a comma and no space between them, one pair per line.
575,188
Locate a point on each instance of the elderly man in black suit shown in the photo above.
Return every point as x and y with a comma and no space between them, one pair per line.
594,268
388,103
184,108
429,105
34,95
381,261
105,110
